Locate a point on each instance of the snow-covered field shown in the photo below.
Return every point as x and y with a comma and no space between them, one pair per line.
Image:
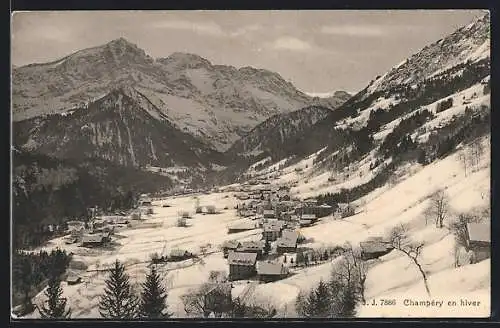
390,277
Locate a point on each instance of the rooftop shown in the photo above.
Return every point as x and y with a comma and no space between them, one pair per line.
231,244
479,232
241,258
373,246
269,268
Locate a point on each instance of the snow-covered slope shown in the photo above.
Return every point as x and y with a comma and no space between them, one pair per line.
391,277
470,42
272,134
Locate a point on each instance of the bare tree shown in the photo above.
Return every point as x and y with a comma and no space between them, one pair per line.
351,271
438,208
194,301
217,276
463,156
477,151
400,241
209,298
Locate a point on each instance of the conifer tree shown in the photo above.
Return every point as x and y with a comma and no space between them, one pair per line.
153,297
322,300
118,301
55,306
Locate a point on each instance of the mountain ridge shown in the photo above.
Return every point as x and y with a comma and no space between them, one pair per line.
216,103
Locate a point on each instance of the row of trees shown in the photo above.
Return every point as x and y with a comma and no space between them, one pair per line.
118,301
338,296
214,298
50,191
31,270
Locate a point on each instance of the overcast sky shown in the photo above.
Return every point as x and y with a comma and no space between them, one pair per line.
318,51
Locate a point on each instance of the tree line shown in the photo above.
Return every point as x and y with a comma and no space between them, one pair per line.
50,191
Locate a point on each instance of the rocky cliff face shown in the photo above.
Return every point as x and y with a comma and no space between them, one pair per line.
272,134
122,127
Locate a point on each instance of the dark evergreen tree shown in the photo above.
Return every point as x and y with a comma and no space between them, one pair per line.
153,297
317,304
118,301
323,300
55,306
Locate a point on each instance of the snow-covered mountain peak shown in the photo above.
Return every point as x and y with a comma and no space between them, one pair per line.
457,47
182,60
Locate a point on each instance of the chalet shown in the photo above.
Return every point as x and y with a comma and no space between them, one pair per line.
242,227
287,215
179,255
246,213
268,271
374,249
107,229
241,265
479,240
75,225
256,247
324,210
305,223
73,279
269,214
309,217
99,239
271,232
146,203
310,202
230,245
287,243
344,210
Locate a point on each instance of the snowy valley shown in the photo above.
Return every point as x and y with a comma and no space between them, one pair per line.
248,197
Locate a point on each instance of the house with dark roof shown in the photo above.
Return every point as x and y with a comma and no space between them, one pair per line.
256,247
287,243
241,265
96,239
373,249
479,240
271,232
245,226
230,245
344,210
305,223
269,214
271,271
311,217
179,255
324,210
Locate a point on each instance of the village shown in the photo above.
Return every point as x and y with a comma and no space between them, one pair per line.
255,232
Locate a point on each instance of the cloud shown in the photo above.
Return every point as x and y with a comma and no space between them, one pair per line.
245,30
354,30
203,28
291,43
